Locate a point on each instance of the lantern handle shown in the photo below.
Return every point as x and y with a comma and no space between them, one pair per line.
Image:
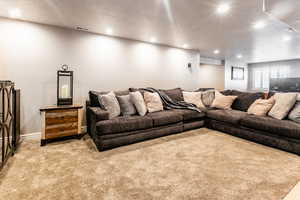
65,67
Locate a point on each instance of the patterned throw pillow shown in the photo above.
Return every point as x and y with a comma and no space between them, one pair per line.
261,107
126,105
194,98
111,104
139,103
222,102
284,102
208,97
153,102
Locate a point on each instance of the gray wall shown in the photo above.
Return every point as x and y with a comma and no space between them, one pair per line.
212,76
30,55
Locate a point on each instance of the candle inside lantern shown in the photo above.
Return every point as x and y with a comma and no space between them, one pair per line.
65,91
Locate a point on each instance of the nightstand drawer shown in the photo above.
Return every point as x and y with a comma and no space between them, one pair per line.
61,127
61,134
53,118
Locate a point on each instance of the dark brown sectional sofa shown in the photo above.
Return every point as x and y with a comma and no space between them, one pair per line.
107,134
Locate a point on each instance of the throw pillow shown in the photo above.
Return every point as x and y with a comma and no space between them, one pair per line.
141,90
295,113
126,105
194,98
111,104
244,99
208,97
283,104
222,102
174,94
139,103
261,107
153,102
94,100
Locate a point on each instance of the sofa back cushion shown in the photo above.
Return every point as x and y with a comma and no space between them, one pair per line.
284,102
244,99
175,94
141,90
153,102
111,104
203,89
94,101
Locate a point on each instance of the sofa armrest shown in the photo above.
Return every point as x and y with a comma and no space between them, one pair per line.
98,113
94,115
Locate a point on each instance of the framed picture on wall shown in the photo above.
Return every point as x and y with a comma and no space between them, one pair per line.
237,73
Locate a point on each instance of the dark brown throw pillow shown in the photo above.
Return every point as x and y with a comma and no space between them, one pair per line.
93,95
244,99
175,94
226,92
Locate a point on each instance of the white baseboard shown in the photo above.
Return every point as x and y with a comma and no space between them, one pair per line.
37,135
31,136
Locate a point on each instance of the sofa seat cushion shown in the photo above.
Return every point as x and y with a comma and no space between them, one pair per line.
190,114
165,117
124,124
230,116
278,127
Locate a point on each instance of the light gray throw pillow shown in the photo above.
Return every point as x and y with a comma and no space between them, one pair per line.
284,102
111,104
126,105
139,102
295,113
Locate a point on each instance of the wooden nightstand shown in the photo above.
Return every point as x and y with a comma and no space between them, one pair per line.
60,122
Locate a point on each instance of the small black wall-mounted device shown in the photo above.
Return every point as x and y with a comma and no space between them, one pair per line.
189,65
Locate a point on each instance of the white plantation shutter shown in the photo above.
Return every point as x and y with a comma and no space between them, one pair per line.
261,73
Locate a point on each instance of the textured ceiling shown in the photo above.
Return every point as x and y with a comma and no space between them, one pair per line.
175,22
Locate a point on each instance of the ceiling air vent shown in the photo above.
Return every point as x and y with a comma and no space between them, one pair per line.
81,28
210,61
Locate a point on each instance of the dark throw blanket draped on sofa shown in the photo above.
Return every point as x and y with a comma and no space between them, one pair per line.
169,104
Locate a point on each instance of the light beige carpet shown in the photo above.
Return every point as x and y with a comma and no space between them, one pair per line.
200,164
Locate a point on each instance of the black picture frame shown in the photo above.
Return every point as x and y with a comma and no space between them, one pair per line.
237,73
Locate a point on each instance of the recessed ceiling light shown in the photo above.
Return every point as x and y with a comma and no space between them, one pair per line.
15,13
153,39
109,31
239,56
223,8
286,38
185,46
217,51
259,25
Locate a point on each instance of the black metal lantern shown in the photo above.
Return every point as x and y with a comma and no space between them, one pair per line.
64,86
